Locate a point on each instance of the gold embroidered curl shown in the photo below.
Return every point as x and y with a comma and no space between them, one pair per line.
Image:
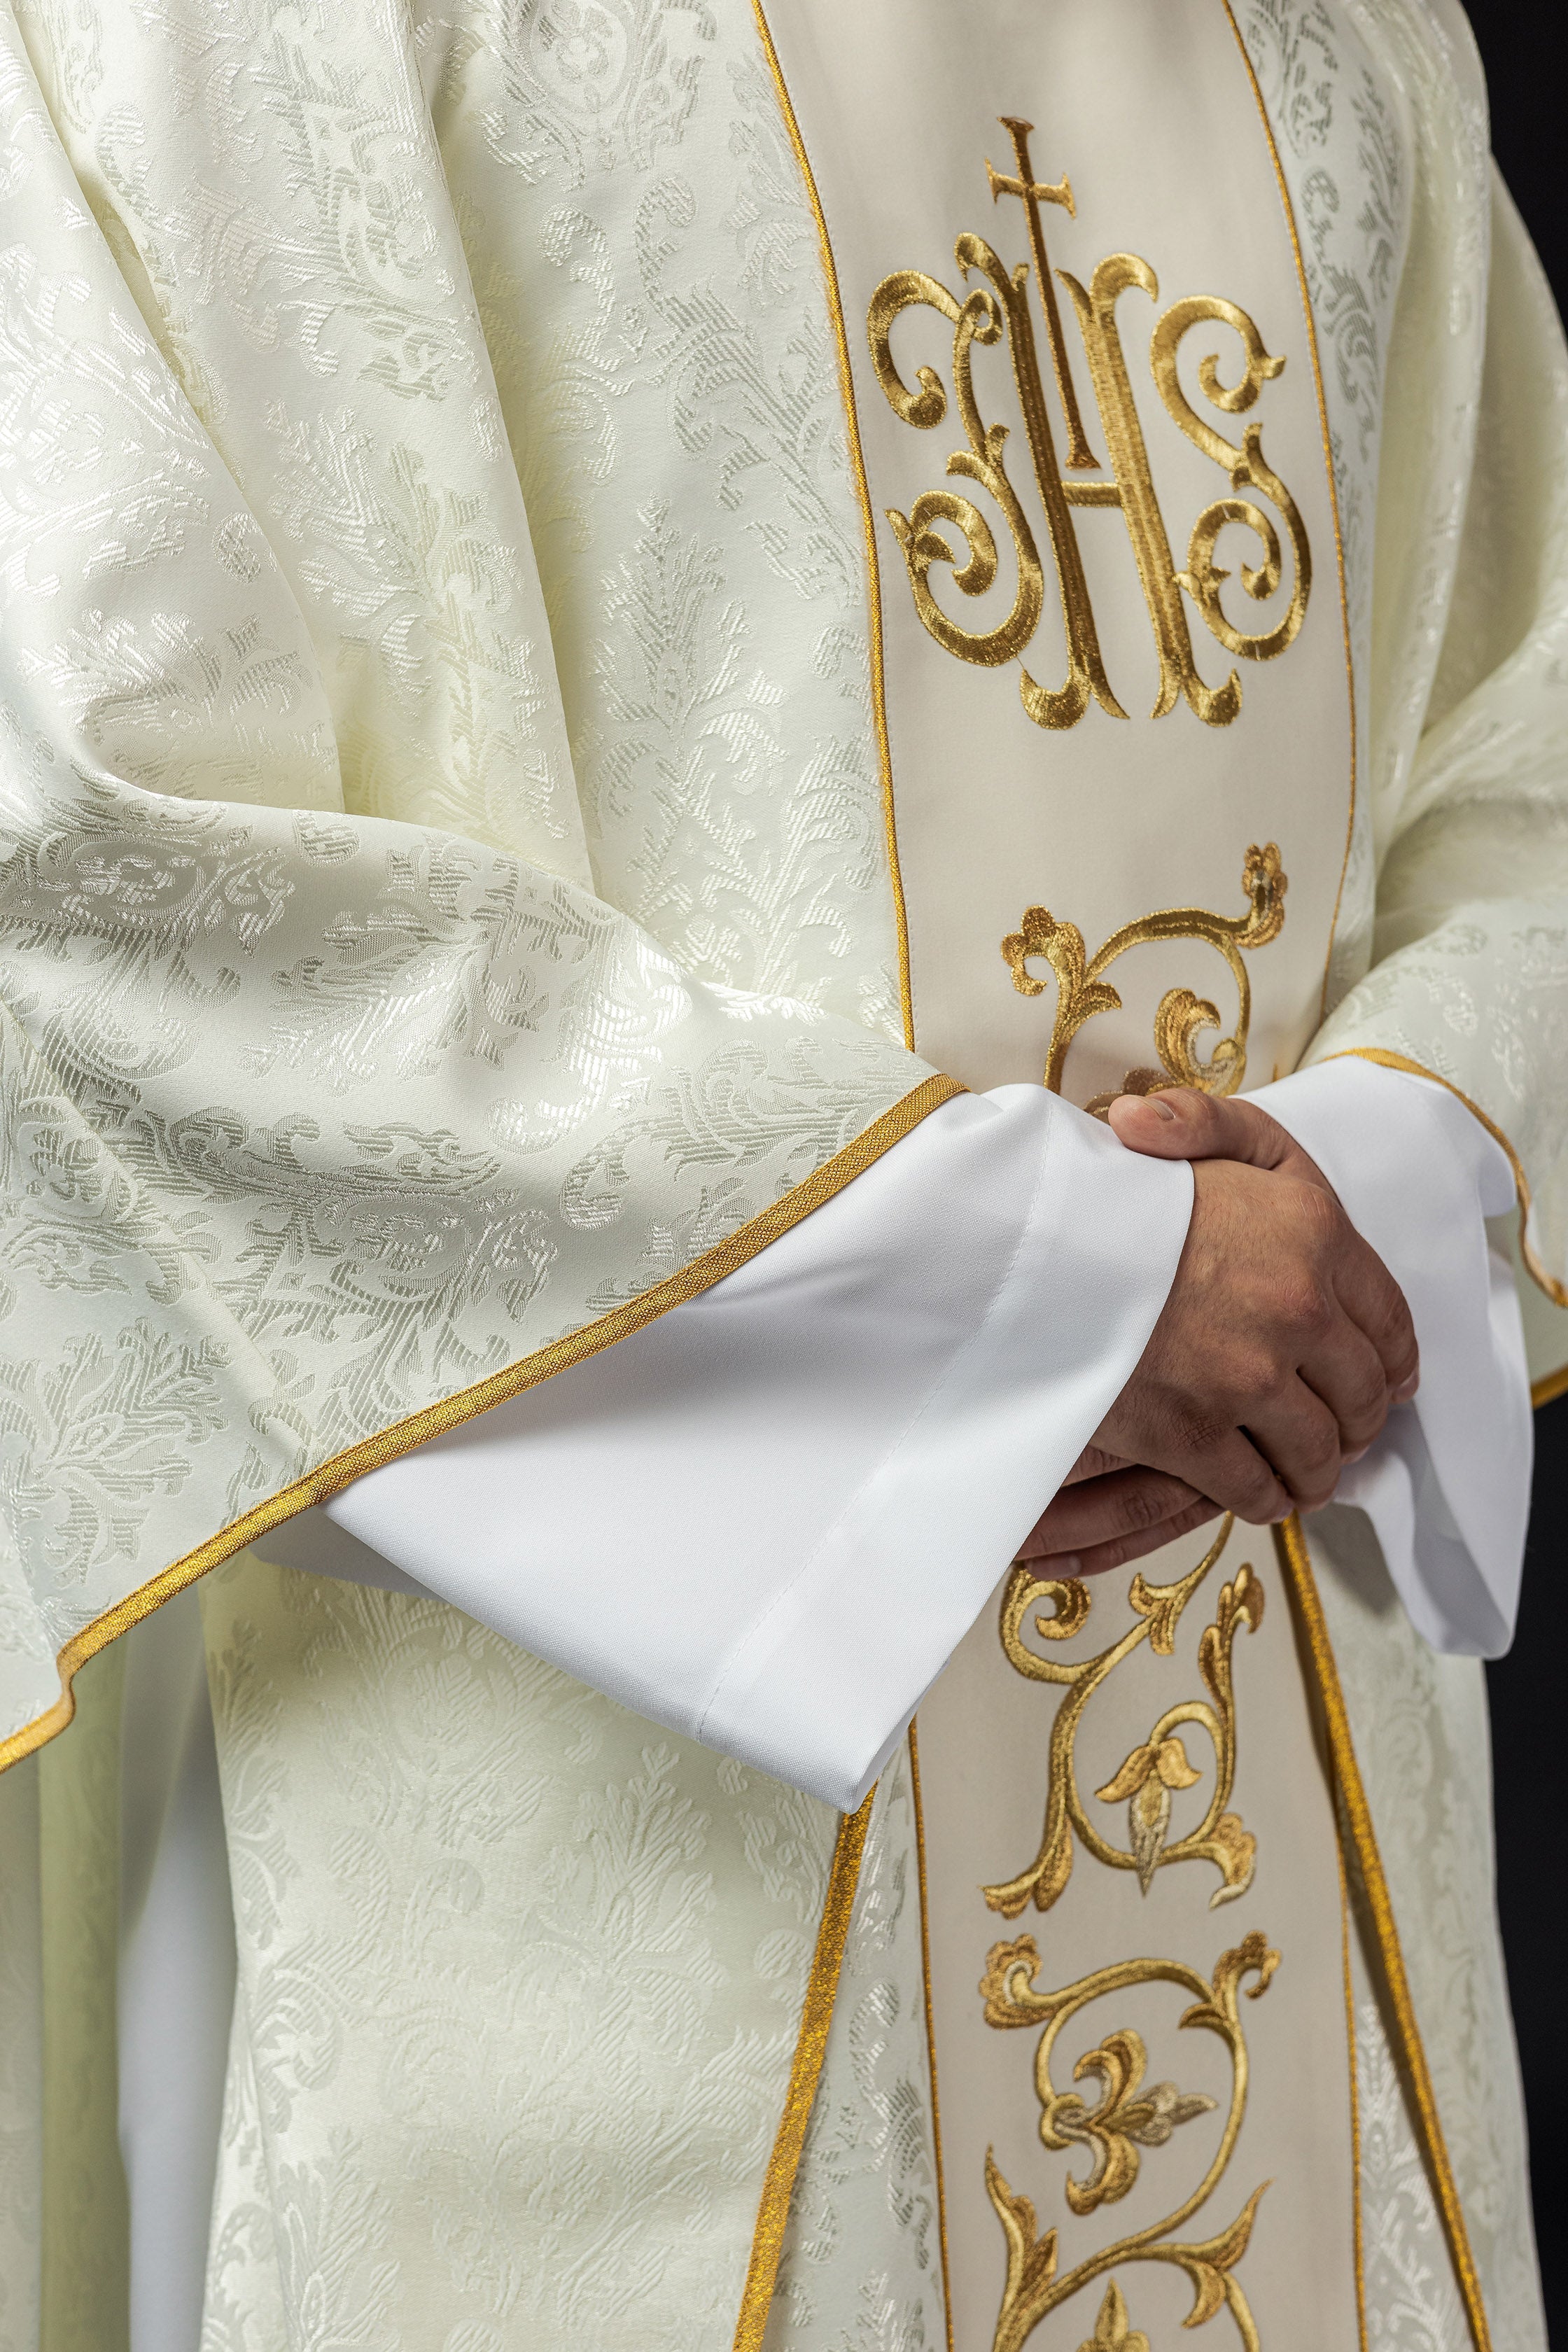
1083,990
1160,1763
1033,2288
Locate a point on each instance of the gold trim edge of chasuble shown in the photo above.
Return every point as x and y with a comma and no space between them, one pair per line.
868,518
400,1437
1289,212
806,2072
1403,2028
923,1885
1357,2234
1554,1290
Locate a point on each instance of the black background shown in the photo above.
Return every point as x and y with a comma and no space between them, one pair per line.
1521,42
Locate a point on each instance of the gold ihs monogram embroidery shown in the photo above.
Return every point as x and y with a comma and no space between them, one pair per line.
999,309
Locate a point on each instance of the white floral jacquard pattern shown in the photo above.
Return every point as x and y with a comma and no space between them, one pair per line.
1421,1739
1466,778
1412,2302
313,1115
861,2270
552,2126
648,275
1343,147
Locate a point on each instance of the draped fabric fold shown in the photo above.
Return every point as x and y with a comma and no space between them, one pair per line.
313,1117
1466,809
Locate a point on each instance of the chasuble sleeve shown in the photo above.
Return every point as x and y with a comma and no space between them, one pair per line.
345,1096
1469,724
316,1119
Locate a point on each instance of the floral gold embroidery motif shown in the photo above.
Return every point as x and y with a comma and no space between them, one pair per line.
1083,990
997,309
1033,2287
1159,1764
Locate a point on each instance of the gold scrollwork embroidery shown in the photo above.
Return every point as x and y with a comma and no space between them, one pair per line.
999,309
1083,990
1034,2288
1160,1763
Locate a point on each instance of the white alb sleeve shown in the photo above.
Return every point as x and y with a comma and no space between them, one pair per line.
767,1520
1446,1486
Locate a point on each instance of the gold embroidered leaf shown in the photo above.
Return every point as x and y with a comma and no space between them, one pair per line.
1129,1779
1253,1955
1031,2259
1171,1765
1235,1849
1207,2264
1148,1818
1111,2332
1121,2118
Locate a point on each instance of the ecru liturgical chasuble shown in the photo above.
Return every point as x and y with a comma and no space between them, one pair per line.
605,608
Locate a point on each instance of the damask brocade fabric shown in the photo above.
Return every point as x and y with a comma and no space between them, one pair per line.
428,421
314,1117
862,2263
1456,892
1422,1747
521,1978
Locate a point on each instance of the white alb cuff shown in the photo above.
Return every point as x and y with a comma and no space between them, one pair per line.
768,1519
1446,1487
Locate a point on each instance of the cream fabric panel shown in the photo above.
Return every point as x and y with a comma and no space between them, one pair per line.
86,2259
521,1978
21,2062
1012,1770
1149,792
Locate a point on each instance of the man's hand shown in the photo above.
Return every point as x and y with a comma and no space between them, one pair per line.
1109,1512
1285,1340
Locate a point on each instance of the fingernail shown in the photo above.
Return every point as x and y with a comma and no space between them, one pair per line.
1407,1390
1357,1455
1163,1108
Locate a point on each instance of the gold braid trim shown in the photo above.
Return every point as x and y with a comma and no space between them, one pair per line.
1296,1563
401,1437
1311,324
930,2027
867,519
1549,1386
810,2049
1355,2098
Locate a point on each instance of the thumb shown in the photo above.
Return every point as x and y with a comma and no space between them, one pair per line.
1179,1123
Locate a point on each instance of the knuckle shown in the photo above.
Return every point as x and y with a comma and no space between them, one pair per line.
1196,1429
1257,1496
1259,1371
1305,1306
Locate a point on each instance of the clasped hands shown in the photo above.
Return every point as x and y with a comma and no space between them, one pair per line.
1283,1345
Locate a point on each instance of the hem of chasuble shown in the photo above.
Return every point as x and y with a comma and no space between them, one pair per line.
1556,1291
400,1437
1404,2032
